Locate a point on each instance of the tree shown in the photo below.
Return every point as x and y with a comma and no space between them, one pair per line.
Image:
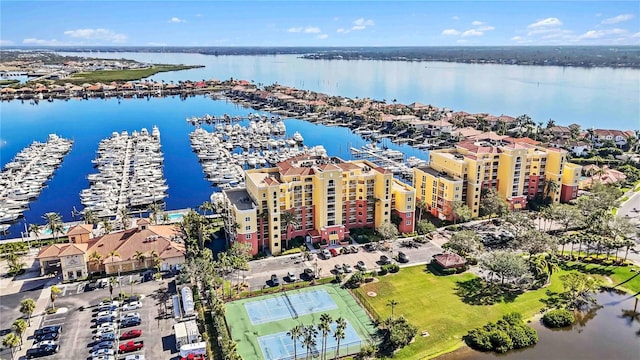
339,333
206,206
460,211
567,215
535,242
542,266
388,231
107,225
35,229
19,326
54,223
492,204
11,341
325,329
420,205
139,256
113,254
289,221
125,218
518,223
294,334
55,291
579,289
627,244
507,265
27,307
392,303
16,265
424,227
154,209
551,188
465,243
89,216
309,336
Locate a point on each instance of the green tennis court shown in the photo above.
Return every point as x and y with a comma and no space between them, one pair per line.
259,325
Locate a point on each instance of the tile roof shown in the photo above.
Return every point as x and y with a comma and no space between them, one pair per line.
80,229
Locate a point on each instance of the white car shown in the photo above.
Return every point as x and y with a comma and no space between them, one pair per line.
99,333
103,357
134,357
109,302
107,326
133,315
132,306
44,343
103,352
107,313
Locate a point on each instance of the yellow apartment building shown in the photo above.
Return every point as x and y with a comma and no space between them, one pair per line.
518,171
326,196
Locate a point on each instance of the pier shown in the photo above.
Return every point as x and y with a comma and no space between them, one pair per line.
130,174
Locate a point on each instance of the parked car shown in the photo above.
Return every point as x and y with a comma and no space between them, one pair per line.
326,254
106,336
103,352
42,351
44,343
103,357
91,285
106,313
106,326
105,319
108,303
107,308
402,257
274,280
131,334
347,268
47,336
48,329
334,252
361,265
102,283
291,276
135,357
353,249
130,322
133,315
130,346
132,298
131,306
384,260
370,246
338,269
103,345
309,274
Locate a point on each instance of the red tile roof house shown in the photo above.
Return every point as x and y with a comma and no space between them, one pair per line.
114,253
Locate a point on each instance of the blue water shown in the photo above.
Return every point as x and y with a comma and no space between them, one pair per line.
599,97
89,121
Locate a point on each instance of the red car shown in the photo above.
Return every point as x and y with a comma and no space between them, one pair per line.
131,334
334,252
131,346
193,357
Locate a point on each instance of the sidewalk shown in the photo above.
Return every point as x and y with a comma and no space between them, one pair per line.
36,318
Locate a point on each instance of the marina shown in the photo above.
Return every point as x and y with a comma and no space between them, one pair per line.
228,150
130,174
23,178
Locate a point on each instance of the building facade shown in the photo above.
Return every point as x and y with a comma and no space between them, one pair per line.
316,197
517,171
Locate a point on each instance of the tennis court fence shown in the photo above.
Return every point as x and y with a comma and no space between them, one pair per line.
346,349
294,314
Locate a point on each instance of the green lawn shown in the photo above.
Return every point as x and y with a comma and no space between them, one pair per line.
430,303
625,278
125,75
9,81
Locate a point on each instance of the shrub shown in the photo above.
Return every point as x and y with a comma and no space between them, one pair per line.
383,271
508,333
558,318
500,341
291,251
398,333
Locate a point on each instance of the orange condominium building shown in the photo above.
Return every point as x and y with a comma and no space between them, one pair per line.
518,171
326,196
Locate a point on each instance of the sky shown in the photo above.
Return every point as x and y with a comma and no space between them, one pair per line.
318,23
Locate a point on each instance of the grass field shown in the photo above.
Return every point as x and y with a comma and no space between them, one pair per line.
9,81
246,334
125,75
435,303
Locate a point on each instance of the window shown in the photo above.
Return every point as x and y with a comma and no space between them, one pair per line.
276,244
78,273
408,215
70,274
247,219
248,227
408,222
248,236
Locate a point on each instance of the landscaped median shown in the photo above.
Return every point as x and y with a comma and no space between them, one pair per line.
444,307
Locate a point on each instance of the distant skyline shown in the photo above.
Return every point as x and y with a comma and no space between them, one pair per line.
318,23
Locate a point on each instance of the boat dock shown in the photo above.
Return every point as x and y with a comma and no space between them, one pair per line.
390,159
130,174
227,151
226,119
23,178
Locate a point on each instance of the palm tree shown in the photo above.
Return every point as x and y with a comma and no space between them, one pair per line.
392,303
155,257
206,206
289,221
19,326
627,244
11,341
54,294
165,218
89,216
27,307
95,258
294,334
139,256
154,209
339,333
54,223
35,229
550,189
123,213
420,205
309,335
112,254
325,329
107,226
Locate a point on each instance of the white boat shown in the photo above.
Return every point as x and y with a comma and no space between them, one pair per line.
297,137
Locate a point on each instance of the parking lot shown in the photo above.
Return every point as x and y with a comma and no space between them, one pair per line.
76,315
260,271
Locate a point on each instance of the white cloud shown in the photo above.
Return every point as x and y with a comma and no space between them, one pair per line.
477,23
472,32
462,41
548,22
295,30
449,32
97,34
322,36
456,18
6,42
198,15
617,19
176,20
34,41
485,28
598,34
312,30
343,31
516,38
636,35
361,24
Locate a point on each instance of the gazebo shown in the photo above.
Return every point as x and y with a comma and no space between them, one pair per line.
450,261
